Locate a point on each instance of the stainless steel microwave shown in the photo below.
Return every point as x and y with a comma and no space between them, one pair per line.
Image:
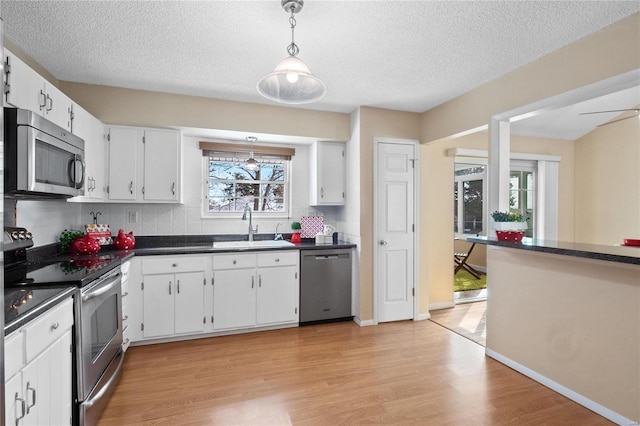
41,159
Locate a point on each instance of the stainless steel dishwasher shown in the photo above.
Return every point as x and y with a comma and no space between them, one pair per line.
325,285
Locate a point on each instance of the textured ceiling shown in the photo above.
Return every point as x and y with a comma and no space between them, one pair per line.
402,55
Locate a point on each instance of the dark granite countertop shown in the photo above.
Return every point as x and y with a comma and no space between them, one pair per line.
621,254
192,244
23,304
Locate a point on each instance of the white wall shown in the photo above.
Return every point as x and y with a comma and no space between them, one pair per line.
45,219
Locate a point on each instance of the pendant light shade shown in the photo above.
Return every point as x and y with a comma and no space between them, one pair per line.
291,82
251,164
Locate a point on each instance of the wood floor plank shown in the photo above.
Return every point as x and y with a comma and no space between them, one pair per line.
393,373
466,319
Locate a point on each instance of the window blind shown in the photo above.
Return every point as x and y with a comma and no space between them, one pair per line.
241,152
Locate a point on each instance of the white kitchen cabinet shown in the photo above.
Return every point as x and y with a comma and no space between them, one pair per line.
234,298
40,392
124,150
173,296
29,90
132,300
255,289
144,165
91,130
327,170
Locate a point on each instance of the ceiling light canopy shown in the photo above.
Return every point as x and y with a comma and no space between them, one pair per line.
291,82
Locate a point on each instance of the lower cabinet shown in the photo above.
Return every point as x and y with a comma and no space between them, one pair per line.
255,289
173,303
39,375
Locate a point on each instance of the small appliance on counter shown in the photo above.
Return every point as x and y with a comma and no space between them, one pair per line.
326,236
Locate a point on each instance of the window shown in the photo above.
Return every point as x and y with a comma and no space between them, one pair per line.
230,187
469,188
522,194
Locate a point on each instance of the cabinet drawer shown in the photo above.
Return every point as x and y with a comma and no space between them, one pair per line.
278,258
234,261
13,355
46,329
171,264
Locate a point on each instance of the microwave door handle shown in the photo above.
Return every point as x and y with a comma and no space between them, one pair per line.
77,182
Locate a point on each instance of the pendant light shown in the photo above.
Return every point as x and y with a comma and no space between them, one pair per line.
251,163
291,82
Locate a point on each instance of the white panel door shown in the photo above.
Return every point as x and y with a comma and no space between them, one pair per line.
189,302
234,298
161,165
158,305
277,295
123,161
395,211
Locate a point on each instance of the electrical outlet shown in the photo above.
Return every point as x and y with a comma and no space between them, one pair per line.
133,217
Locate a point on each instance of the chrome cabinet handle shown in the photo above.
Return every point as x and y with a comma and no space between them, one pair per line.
23,406
178,285
277,260
126,317
55,326
173,188
235,261
33,397
252,284
44,100
131,187
259,280
383,243
173,265
321,192
169,287
50,106
126,293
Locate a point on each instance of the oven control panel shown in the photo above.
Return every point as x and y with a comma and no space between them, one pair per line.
17,238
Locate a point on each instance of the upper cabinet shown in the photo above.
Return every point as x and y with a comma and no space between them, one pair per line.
144,164
91,130
25,88
327,174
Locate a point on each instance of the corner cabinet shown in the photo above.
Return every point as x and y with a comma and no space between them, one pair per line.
144,165
327,173
38,370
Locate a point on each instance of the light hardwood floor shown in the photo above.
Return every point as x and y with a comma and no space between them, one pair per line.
393,373
466,319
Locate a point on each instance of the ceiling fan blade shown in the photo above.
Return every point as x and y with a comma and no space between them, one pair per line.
615,121
613,110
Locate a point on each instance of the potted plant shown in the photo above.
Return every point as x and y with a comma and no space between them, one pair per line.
509,226
295,236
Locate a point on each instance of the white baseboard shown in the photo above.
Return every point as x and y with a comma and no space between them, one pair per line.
441,305
422,317
562,390
364,323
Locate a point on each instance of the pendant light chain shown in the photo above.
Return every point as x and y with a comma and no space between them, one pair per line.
293,47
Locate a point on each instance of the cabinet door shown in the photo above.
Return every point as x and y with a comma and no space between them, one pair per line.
234,298
158,307
189,302
161,165
331,168
14,404
17,91
58,106
123,161
91,130
47,385
277,295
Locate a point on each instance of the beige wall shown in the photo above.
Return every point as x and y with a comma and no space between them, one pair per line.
375,122
113,105
604,54
571,320
607,181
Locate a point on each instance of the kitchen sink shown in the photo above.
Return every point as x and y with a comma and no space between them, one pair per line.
239,245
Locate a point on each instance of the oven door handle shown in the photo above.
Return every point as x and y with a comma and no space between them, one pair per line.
115,280
107,385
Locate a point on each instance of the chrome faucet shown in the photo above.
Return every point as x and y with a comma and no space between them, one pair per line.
277,235
244,217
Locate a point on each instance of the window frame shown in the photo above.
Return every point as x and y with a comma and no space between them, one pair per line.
287,193
459,182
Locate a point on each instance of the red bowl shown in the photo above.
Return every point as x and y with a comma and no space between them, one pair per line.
511,236
631,242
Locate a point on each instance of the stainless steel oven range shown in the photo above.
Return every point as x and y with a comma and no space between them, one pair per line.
98,316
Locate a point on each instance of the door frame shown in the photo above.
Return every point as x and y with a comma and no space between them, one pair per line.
416,209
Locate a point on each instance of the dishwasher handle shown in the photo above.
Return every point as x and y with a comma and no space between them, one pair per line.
329,256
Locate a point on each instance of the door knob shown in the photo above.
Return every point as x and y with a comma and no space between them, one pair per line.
383,243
